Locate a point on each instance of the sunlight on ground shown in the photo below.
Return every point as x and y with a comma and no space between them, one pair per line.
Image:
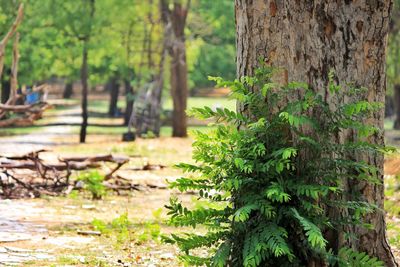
131,223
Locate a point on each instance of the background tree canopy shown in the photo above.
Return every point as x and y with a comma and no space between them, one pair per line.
125,36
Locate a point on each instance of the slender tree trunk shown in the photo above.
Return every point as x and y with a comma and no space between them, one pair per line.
14,68
307,39
129,101
68,90
397,105
84,80
85,76
114,93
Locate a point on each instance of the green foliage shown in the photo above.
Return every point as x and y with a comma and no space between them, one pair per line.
270,172
351,258
93,182
123,229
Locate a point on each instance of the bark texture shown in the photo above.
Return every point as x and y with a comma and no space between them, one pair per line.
307,39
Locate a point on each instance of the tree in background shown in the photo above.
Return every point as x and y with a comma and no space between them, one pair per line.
76,22
393,65
211,30
126,38
175,18
345,43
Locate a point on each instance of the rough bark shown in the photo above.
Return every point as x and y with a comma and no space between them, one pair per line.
309,38
177,51
68,90
114,93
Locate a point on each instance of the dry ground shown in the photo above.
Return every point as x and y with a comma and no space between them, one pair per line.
50,224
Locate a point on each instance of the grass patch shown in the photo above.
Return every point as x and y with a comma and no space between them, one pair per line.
199,102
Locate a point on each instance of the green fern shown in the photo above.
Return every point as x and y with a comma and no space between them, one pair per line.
266,201
350,258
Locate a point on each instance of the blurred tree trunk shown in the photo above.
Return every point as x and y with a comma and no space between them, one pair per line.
389,106
84,80
68,90
129,101
85,76
5,88
113,87
396,101
307,39
177,50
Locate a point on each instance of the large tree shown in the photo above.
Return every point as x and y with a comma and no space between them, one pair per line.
306,39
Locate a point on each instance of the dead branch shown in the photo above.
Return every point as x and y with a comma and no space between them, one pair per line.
31,114
30,155
33,108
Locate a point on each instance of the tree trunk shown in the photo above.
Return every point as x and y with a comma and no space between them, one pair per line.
389,106
84,80
307,39
174,26
85,75
129,101
68,90
5,89
114,92
397,106
179,90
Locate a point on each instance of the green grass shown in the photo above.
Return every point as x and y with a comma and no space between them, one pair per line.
388,124
101,106
119,130
200,102
9,131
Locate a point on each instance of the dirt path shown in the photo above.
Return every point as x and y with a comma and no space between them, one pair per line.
43,137
14,227
44,232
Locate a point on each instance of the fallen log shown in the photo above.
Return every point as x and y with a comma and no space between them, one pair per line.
33,108
31,115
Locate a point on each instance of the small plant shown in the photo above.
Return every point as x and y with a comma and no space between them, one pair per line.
124,230
271,172
93,182
119,227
